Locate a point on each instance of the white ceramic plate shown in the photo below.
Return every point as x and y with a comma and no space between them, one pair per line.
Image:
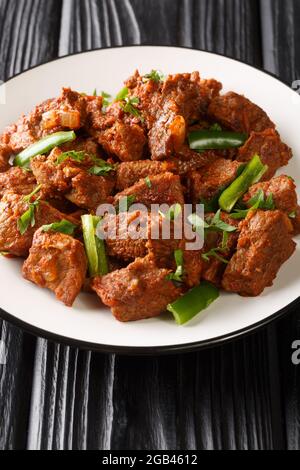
88,324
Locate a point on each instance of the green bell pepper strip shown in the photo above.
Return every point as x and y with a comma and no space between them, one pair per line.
192,303
95,248
214,140
252,174
43,146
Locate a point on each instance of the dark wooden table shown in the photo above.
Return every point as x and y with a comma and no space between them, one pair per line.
245,395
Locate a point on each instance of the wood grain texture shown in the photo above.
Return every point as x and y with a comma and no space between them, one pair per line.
25,40
281,55
231,397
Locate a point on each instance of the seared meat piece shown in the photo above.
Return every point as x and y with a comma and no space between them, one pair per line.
170,106
168,133
186,91
122,237
5,154
137,292
119,133
268,146
239,114
87,145
18,181
162,249
283,190
125,141
89,191
12,207
130,173
211,179
188,160
71,179
165,189
57,262
213,269
265,243
66,112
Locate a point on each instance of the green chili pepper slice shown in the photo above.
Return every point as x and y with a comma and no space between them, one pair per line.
43,146
252,174
216,140
192,303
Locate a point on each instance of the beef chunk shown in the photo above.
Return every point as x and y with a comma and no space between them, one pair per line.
237,113
12,207
66,112
169,107
211,179
264,244
125,141
165,189
18,181
268,146
5,154
89,191
71,179
186,91
162,249
130,173
168,132
122,237
283,190
137,292
57,262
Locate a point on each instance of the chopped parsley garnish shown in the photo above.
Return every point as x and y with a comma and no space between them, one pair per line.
215,224
64,226
28,218
148,182
173,213
125,203
155,75
106,99
258,201
129,107
102,168
178,275
217,252
129,103
122,95
72,155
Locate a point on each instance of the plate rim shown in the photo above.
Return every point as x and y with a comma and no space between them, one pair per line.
148,350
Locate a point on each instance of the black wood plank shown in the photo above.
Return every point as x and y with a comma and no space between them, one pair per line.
281,46
25,39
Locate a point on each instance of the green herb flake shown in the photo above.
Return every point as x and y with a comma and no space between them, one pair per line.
148,182
155,75
102,168
122,95
293,215
64,226
106,99
178,275
129,107
72,155
28,218
173,213
125,203
258,201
